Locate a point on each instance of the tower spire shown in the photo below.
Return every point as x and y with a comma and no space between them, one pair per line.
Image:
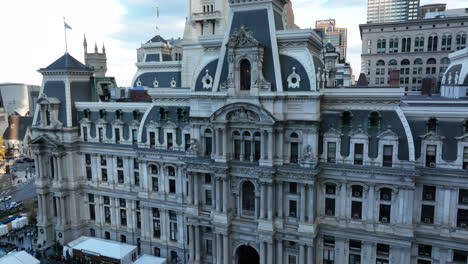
85,44
103,49
95,48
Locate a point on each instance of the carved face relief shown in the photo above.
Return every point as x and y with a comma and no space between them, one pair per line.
243,115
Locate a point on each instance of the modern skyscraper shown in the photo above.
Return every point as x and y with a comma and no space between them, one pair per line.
335,35
381,11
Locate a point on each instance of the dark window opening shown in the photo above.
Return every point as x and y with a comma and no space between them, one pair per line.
329,206
463,196
358,154
386,194
460,256
331,152
245,77
346,119
387,156
294,152
170,144
462,218
357,191
292,208
208,143
172,186
384,213
374,120
187,142
432,125
248,197
356,210
431,151
152,139
117,135
330,189
427,214
429,193
292,187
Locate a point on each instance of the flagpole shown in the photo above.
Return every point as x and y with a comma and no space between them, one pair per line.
65,30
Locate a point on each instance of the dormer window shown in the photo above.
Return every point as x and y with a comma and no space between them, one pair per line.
87,113
374,120
432,125
294,148
358,154
431,152
118,114
180,115
136,115
245,69
162,114
346,119
387,156
102,114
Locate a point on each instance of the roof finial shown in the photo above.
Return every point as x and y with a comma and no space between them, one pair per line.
85,44
103,48
95,48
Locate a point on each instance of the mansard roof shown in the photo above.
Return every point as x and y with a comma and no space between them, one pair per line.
157,39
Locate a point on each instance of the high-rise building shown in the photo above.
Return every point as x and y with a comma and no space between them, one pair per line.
337,36
381,11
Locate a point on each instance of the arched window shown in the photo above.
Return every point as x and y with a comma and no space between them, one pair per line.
385,194
405,62
461,41
432,43
162,114
380,63
154,169
136,115
374,120
445,61
248,198
431,61
294,148
418,61
87,113
208,142
102,114
446,42
392,62
393,45
237,144
346,119
432,125
356,191
245,74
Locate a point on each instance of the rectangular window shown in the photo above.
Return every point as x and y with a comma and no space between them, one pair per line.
292,208
331,152
424,250
387,156
209,247
429,193
431,151
208,197
383,252
462,218
88,159
119,163
293,187
460,256
107,214
123,217
85,134
292,259
134,136
152,139
358,154
156,228
187,141
384,213
155,184
169,141
101,134
172,225
465,155
328,250
92,212
120,176
138,217
104,175
330,206
172,186
117,135
354,252
89,174
136,177
356,210
103,161
294,152
463,196
427,214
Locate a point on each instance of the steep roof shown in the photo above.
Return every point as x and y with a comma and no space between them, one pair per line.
66,62
17,127
156,39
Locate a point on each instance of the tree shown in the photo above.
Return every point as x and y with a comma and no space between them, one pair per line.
3,149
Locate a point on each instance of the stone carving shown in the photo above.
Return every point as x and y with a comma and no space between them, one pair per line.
173,83
444,79
294,80
155,83
194,147
138,83
243,115
308,153
207,81
242,38
450,78
455,81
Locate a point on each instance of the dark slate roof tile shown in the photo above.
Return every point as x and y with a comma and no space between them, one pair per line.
67,62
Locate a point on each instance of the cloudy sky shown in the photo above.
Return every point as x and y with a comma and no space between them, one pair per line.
32,31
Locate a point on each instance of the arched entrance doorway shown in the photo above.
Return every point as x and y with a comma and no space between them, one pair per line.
247,255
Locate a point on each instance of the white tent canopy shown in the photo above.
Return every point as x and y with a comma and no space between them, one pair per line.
148,259
101,247
21,257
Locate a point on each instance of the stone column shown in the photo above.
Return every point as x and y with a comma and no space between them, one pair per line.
191,243
303,203
219,140
62,209
262,253
342,208
195,189
262,200
280,199
279,252
310,254
270,202
225,143
280,142
302,254
270,145
218,194
310,208
270,253
262,146
197,244
370,204
225,196
190,186
226,255
219,249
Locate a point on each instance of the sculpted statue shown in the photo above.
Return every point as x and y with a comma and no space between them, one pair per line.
194,146
308,153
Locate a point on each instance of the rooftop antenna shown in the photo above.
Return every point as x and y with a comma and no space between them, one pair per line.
157,16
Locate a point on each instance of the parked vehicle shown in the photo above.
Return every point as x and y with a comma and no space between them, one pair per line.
7,198
12,205
28,160
1,199
19,160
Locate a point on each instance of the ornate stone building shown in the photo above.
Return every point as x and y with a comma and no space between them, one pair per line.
246,155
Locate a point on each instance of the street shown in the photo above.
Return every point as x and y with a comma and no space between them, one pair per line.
20,188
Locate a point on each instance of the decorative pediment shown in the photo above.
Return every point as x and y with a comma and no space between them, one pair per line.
433,136
101,121
152,125
243,115
243,38
45,140
85,121
388,134
170,125
359,133
118,122
135,123
463,138
332,133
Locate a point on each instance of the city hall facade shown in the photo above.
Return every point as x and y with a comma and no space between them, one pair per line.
247,154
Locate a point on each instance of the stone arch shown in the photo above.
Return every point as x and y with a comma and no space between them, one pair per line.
242,112
246,254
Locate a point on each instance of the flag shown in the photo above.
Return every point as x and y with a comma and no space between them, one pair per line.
66,25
